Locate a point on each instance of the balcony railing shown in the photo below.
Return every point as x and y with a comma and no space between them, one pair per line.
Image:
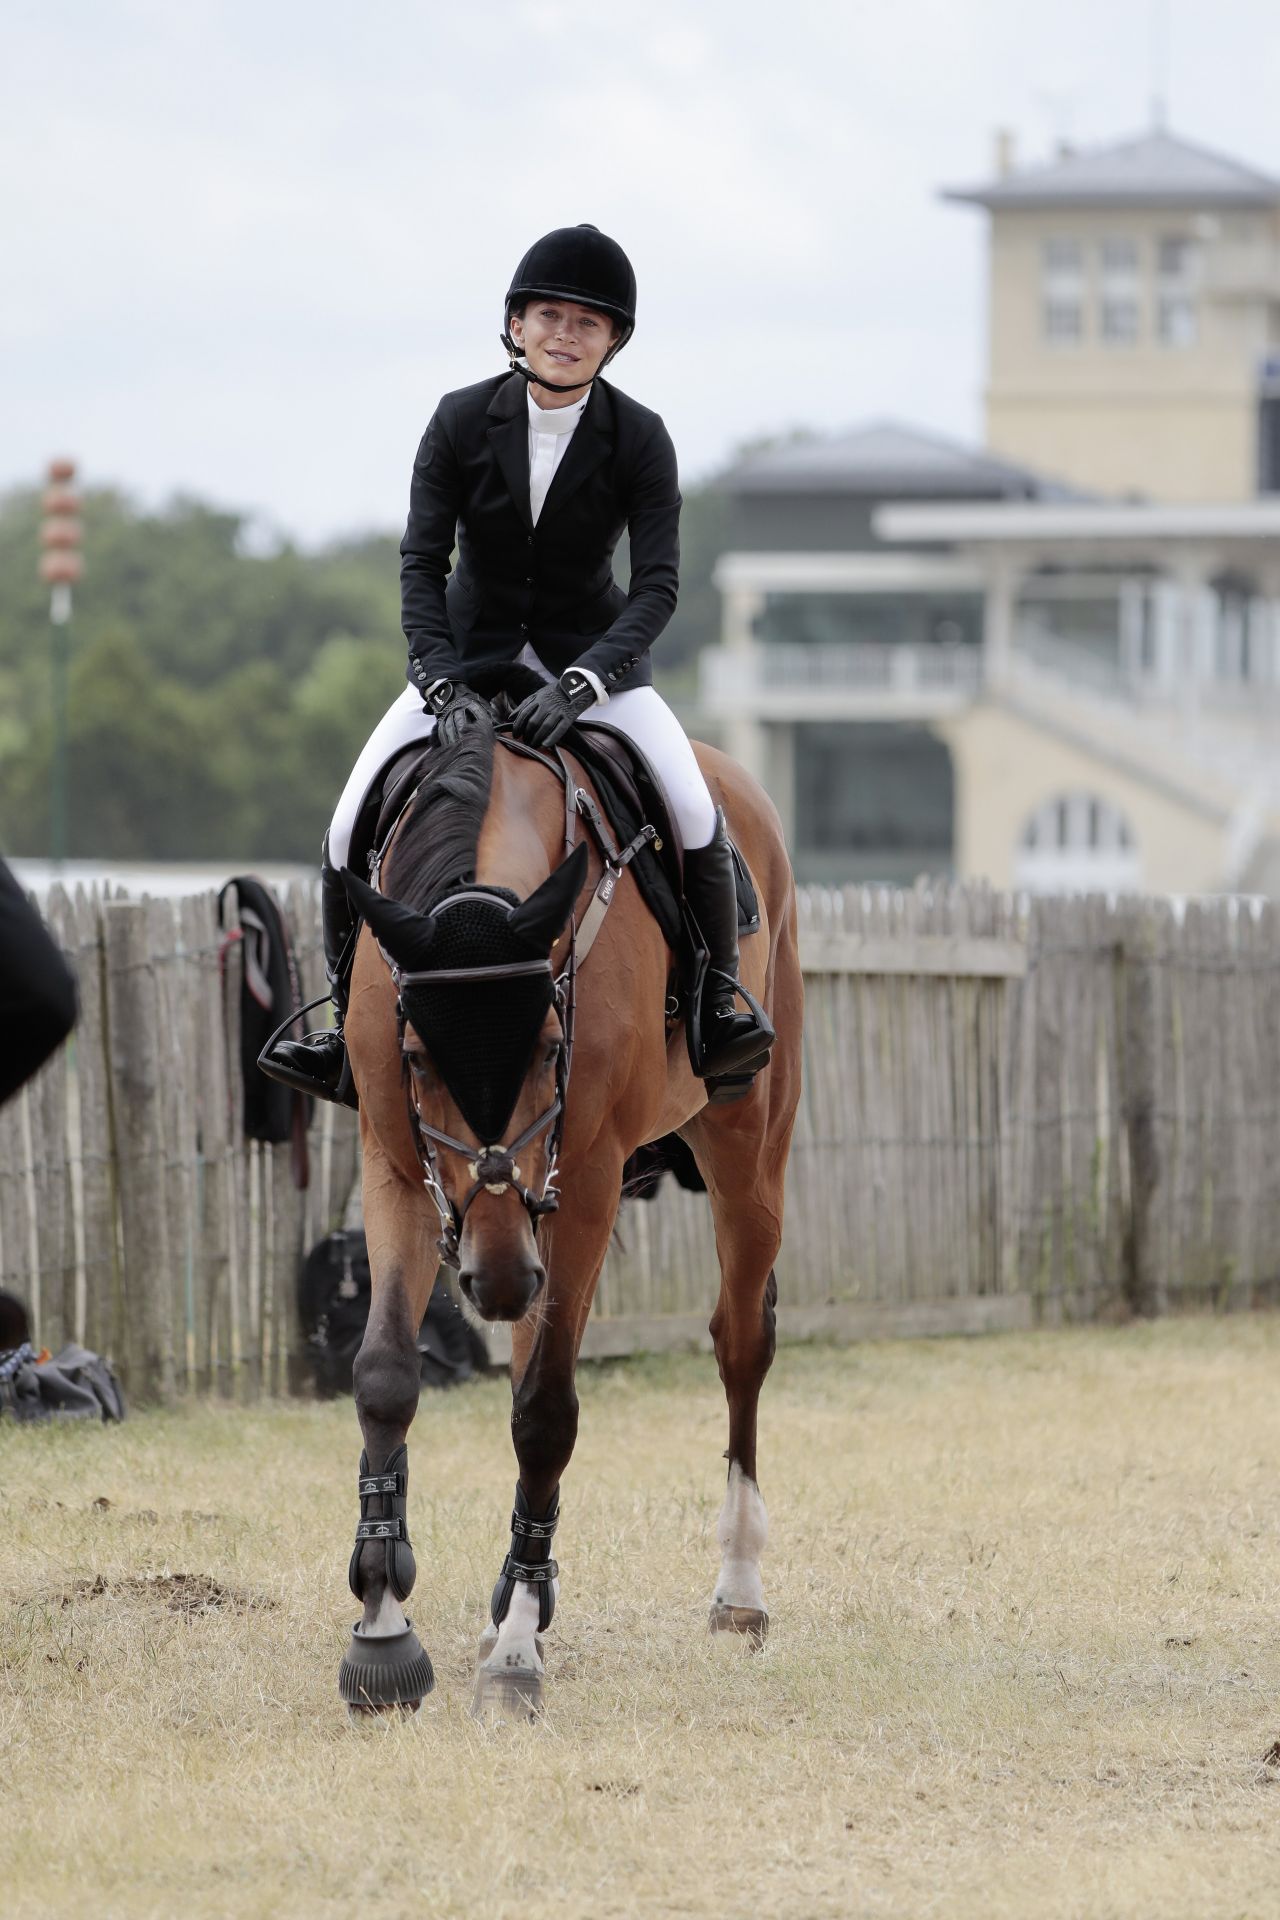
832,677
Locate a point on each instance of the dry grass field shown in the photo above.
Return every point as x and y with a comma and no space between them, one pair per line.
1024,1656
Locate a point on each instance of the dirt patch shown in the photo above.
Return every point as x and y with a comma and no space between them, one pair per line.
186,1593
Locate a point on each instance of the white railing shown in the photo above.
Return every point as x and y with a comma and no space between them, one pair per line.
1203,683
1080,667
1228,732
738,679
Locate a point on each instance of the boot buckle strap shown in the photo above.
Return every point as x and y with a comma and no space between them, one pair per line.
381,1530
525,1529
393,1483
534,1573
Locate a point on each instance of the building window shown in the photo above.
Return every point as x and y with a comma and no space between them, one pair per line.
1175,291
1119,321
1175,257
1176,320
1119,256
1063,320
1077,843
1063,254
1269,444
1119,290
1062,289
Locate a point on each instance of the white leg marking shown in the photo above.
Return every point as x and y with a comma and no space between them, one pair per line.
388,1619
742,1530
515,1642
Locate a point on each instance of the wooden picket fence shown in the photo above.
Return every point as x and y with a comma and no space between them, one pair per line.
1015,1111
134,1214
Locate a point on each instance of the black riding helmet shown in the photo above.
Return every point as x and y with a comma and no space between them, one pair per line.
579,264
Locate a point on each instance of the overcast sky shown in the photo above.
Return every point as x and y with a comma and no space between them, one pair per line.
246,244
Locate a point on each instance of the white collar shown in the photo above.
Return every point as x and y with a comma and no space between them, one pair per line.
556,419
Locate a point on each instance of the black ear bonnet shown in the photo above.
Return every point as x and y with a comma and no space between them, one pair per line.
480,1034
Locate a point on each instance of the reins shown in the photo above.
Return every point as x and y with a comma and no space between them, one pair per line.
493,1168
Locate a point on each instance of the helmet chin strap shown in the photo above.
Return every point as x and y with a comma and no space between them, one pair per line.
535,379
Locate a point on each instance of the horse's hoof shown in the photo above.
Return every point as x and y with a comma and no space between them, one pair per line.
508,1693
751,1622
384,1671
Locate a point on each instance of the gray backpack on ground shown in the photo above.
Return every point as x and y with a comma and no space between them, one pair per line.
74,1385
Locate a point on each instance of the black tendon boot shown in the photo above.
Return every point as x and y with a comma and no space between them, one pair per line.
734,1032
529,1560
385,1669
318,1063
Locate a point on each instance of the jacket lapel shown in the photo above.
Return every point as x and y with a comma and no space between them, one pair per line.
508,433
590,445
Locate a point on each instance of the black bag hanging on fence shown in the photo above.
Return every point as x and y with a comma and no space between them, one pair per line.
334,1293
270,988
74,1385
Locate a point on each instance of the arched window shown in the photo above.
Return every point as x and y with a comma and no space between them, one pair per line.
1077,843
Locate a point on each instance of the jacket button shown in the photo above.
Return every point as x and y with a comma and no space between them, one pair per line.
530,539
524,626
528,580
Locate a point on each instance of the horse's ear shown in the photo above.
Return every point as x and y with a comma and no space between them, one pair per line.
406,935
540,918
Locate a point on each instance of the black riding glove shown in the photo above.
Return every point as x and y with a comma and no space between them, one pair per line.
456,708
547,715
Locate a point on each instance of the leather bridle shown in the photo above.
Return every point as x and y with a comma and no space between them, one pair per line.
493,1169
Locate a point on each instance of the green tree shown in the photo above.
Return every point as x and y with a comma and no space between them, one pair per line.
219,694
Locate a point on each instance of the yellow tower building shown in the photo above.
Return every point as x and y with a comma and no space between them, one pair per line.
1134,319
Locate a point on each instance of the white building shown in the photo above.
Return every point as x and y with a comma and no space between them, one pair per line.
943,664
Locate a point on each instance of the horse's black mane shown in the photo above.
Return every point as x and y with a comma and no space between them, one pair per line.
436,848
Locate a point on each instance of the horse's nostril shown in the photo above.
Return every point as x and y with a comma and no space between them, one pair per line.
464,1281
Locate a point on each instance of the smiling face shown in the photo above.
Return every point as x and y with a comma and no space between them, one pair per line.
562,342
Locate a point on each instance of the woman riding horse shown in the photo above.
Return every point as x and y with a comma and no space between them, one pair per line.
534,475
474,986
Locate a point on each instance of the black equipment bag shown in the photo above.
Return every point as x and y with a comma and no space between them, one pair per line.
270,988
334,1292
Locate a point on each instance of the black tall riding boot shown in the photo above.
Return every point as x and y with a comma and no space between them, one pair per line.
318,1063
735,1034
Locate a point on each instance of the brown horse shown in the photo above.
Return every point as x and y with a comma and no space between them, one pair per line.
456,1000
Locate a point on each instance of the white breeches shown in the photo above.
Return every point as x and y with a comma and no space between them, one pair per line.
639,712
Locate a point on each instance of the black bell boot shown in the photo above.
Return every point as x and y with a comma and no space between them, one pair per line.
317,1064
730,1040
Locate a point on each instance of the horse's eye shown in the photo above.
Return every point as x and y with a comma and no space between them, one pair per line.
420,1065
553,1053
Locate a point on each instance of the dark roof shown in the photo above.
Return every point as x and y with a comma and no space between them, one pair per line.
884,460
1155,170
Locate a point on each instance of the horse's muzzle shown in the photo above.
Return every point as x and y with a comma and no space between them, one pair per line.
501,1290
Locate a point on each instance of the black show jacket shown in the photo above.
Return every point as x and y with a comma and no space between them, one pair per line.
552,585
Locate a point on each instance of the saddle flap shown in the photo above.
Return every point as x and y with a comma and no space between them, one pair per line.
641,787
631,792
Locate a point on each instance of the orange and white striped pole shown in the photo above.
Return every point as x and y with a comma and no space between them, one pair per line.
61,566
